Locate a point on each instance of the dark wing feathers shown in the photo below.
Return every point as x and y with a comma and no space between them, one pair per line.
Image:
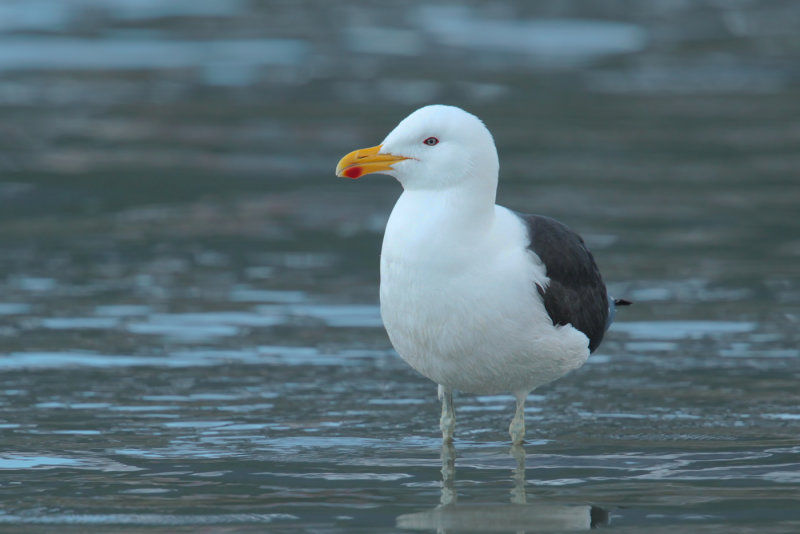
576,294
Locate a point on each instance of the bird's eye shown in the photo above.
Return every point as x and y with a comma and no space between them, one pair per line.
431,141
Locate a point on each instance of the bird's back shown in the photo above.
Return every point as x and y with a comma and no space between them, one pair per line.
575,293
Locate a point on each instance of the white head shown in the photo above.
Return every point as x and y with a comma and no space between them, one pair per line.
436,147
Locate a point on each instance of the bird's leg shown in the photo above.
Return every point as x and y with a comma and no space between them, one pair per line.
518,493
517,427
448,474
448,421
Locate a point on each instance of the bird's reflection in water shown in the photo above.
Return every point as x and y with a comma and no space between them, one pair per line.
519,515
449,494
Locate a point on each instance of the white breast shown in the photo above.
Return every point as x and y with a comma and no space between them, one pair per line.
459,300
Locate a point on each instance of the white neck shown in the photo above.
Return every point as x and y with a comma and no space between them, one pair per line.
438,223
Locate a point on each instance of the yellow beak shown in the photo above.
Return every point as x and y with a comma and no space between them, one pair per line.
365,161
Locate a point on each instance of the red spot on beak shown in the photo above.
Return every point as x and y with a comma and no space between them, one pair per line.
353,172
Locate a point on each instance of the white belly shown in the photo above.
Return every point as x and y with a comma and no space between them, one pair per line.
467,315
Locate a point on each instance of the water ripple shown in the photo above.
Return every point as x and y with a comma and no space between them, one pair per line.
669,330
22,461
143,519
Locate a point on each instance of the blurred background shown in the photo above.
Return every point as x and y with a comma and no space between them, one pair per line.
186,290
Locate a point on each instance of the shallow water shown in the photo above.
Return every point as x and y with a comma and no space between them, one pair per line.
188,298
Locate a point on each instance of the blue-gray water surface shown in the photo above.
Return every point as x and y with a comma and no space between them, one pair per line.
190,338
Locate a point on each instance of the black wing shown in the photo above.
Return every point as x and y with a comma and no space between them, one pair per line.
576,294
